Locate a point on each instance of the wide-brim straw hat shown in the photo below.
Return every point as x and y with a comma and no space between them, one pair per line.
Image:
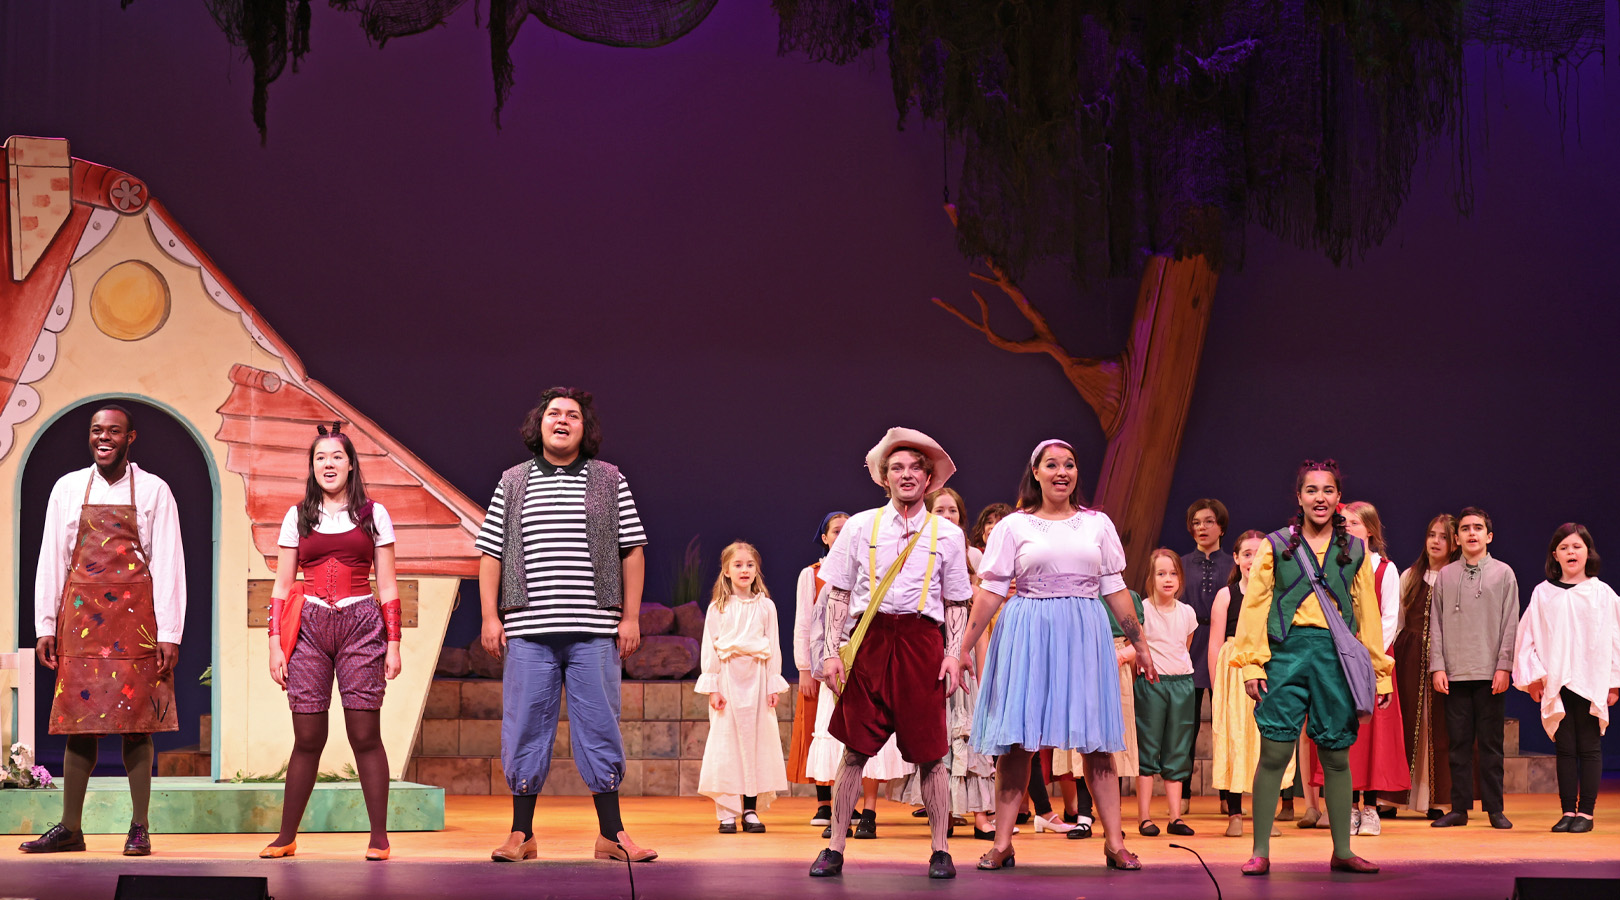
912,439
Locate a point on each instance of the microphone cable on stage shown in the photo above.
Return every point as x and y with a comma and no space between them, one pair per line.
631,868
1206,869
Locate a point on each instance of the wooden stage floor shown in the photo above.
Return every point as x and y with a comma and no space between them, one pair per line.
697,862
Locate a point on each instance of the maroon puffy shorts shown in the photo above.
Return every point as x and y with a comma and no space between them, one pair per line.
345,643
894,689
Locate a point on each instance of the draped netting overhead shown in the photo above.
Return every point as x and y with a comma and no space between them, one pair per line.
274,32
1099,132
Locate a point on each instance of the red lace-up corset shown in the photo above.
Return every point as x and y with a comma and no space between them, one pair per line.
336,566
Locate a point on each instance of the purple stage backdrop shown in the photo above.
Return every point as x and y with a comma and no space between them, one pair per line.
736,251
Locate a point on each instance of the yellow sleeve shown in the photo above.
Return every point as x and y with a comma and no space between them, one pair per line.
1251,644
1370,625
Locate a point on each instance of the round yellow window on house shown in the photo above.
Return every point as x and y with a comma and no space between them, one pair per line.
130,301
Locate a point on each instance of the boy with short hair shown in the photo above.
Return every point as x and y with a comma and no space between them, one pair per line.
1474,618
1207,569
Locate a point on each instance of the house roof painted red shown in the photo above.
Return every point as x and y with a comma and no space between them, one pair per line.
268,417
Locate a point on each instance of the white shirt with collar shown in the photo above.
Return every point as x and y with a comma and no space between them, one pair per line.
848,563
157,522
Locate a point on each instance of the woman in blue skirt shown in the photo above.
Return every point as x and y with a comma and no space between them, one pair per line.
1052,679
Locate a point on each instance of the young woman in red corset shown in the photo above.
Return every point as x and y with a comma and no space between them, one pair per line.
329,625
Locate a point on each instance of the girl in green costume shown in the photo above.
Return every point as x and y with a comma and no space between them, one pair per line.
1290,667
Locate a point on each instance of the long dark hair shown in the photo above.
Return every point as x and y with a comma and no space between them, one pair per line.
1029,490
1341,538
1594,563
590,442
1420,569
309,511
992,513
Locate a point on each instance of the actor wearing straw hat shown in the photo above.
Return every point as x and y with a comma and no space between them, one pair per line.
895,574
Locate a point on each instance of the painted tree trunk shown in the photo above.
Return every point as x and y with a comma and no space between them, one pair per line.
1159,367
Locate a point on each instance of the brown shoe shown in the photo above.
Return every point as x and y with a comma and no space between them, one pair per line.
1124,859
516,849
1354,864
998,859
624,850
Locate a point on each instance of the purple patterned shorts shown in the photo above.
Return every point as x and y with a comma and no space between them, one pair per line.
348,642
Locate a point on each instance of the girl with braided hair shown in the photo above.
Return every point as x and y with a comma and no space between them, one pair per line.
1291,668
329,625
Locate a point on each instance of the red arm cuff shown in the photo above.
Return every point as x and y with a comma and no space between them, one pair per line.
277,605
391,619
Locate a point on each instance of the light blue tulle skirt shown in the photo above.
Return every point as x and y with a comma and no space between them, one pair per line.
1052,679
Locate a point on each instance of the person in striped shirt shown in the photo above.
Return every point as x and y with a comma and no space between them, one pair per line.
560,583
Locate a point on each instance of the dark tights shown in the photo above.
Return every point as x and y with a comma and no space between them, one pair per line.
80,760
364,727
1580,755
1232,803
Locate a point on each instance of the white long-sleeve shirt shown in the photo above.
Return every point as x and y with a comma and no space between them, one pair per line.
1389,598
1570,635
803,612
158,523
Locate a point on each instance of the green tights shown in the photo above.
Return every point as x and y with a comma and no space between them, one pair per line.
1274,757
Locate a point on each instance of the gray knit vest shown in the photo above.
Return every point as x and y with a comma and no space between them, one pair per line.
601,533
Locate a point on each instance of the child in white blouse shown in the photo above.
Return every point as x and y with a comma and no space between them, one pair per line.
1166,710
743,768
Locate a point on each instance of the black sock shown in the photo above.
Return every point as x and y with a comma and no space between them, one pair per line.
1370,798
750,803
607,814
824,794
523,813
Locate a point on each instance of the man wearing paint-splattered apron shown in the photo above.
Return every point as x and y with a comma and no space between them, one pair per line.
109,607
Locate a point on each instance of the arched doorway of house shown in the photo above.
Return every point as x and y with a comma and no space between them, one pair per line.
165,447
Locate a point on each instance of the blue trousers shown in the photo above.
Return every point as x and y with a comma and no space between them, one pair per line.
537,673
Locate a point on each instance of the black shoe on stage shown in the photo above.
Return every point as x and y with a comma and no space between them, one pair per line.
1565,823
1146,828
1387,812
1431,814
729,826
1080,831
55,840
1023,819
940,865
920,812
983,835
1450,819
1499,821
1179,829
139,842
866,829
826,833
823,816
752,824
1581,825
828,863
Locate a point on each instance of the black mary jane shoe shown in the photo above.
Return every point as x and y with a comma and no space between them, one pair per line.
1179,829
983,835
940,865
56,839
1566,823
1581,825
752,824
1080,831
1146,828
828,864
866,828
729,826
139,842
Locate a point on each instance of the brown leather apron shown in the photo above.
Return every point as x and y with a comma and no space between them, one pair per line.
107,679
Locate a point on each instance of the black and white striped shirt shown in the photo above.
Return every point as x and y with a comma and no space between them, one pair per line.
557,559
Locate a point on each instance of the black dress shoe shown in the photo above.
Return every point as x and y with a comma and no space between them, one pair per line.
1387,812
1450,820
866,828
828,863
1080,831
56,839
823,816
139,842
729,826
1581,825
1179,829
1565,823
1431,814
1147,829
1499,821
920,812
826,833
752,824
940,865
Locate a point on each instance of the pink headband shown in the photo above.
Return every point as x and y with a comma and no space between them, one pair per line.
1036,456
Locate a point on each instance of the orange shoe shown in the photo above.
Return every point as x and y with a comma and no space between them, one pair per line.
274,852
624,850
375,855
516,849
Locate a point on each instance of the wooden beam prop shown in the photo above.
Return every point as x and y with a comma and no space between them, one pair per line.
1141,396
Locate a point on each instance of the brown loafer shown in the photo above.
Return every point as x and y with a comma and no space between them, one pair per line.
516,849
998,859
1354,864
623,850
1257,865
1124,859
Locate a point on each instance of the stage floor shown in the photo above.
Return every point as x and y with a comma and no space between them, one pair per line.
696,862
